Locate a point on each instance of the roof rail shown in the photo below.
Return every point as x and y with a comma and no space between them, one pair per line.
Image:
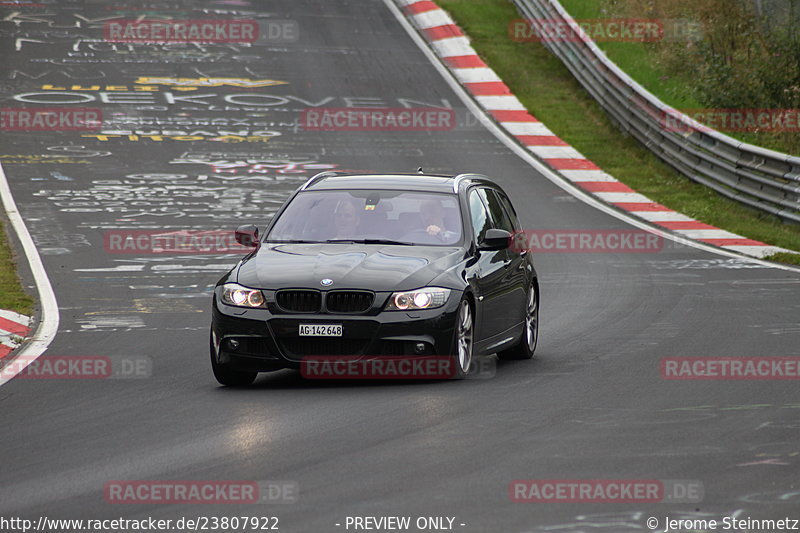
319,176
467,175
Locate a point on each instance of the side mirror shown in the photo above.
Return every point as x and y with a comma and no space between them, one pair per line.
247,235
495,239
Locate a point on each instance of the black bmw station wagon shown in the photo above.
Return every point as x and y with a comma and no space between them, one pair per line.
375,266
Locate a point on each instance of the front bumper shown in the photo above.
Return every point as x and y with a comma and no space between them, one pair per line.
259,340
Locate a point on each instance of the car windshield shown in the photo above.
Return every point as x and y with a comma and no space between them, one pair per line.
371,217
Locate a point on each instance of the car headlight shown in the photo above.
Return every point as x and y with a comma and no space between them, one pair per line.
234,294
425,298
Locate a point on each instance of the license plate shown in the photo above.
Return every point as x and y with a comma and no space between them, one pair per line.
320,330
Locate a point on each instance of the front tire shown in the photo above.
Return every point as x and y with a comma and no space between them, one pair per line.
228,376
464,337
530,337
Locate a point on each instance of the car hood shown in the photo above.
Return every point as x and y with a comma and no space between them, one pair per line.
373,267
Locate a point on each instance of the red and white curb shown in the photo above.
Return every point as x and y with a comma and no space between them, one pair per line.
13,328
47,326
453,47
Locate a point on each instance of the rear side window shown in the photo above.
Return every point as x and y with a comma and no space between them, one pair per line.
509,210
479,216
499,217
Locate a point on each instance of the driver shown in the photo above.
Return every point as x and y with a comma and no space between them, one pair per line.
432,215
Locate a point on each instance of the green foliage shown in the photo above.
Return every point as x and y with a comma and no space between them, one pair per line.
741,61
12,295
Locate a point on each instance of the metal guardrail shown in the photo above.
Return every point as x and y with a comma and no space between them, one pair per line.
761,178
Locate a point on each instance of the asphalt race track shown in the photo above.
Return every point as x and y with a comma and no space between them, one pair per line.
175,155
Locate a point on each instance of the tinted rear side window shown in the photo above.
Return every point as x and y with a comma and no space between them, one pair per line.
512,213
499,217
479,216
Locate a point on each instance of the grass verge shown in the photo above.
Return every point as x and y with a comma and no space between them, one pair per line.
639,62
551,93
12,295
660,67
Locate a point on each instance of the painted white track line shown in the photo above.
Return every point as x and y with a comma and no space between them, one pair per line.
492,102
48,323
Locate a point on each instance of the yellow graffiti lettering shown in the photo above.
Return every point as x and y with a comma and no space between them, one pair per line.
209,82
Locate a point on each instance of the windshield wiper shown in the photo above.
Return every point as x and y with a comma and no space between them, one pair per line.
370,241
291,241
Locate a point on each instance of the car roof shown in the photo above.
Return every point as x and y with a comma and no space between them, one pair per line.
414,182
